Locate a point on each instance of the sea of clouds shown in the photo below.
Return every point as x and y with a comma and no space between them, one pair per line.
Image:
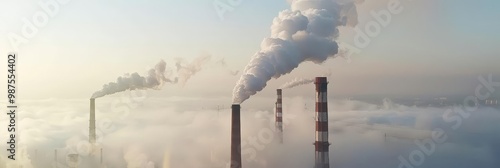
144,132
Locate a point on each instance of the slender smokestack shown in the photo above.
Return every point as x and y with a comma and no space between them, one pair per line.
235,137
321,144
101,156
92,135
279,116
55,158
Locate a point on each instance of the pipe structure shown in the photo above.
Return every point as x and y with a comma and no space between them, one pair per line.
101,157
235,136
55,158
279,116
92,134
321,144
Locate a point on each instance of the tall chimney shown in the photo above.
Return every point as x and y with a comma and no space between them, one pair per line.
101,157
321,144
55,158
279,116
92,135
235,136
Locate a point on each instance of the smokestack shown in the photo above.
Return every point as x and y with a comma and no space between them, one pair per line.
279,116
235,136
55,158
321,144
92,135
101,156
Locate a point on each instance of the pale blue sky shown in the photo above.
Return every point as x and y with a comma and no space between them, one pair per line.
441,45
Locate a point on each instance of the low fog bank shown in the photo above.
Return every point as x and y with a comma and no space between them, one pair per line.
191,133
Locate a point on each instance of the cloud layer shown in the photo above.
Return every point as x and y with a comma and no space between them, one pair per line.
168,132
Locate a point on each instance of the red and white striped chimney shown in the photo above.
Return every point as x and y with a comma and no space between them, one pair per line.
279,116
235,136
321,144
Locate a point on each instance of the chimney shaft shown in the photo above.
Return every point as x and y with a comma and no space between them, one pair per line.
321,144
235,136
92,134
55,158
279,116
101,156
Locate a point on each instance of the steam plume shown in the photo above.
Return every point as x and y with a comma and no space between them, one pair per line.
296,82
186,71
155,79
306,32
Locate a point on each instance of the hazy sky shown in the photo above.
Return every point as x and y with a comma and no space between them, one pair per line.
431,48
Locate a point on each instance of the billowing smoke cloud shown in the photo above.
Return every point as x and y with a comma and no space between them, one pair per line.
296,82
155,79
307,32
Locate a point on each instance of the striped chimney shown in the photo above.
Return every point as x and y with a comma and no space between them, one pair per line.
321,144
235,136
279,116
92,134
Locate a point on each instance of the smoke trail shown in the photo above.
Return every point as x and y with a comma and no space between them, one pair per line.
223,63
296,82
307,32
155,79
186,71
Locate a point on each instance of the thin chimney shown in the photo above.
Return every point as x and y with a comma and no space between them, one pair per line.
92,134
101,156
321,144
279,116
55,158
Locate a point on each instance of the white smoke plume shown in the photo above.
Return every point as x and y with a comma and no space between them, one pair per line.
306,32
296,82
186,71
155,79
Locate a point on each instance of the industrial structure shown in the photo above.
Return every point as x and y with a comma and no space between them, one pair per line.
235,136
92,134
321,144
279,116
